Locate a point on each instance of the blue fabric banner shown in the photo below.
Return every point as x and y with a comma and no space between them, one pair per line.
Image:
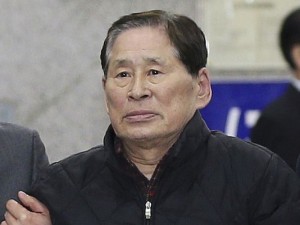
236,105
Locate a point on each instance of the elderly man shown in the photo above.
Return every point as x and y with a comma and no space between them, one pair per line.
160,164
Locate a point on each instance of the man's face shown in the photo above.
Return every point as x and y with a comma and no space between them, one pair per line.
149,93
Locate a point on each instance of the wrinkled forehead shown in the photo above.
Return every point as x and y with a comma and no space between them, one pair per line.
141,38
141,30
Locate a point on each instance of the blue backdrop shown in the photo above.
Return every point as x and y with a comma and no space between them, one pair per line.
236,105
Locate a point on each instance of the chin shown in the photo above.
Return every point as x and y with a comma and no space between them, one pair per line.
140,135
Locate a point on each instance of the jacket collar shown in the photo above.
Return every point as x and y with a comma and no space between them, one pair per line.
194,135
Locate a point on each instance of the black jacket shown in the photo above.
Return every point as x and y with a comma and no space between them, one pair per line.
209,179
278,127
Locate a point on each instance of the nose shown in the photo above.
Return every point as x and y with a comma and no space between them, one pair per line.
139,88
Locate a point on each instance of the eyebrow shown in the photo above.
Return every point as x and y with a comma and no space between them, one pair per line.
154,60
121,63
148,60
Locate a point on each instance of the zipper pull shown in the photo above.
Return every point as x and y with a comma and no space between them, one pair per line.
148,210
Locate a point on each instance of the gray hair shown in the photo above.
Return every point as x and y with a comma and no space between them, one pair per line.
186,37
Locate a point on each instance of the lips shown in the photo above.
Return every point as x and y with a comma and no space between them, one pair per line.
140,116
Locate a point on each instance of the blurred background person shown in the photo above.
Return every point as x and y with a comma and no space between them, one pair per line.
278,126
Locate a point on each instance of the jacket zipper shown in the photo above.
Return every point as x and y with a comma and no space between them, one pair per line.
150,198
148,205
148,211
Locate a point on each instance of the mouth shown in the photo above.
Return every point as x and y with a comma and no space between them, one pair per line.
139,116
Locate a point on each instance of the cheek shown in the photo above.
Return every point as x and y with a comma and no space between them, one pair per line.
178,95
114,101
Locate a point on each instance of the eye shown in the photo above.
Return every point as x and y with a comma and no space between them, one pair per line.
154,72
122,75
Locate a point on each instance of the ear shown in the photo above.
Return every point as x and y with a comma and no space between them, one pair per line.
104,89
296,55
204,88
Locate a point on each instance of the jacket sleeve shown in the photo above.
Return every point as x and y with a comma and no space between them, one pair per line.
39,156
276,198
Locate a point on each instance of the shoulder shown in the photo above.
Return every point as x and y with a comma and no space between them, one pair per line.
239,146
275,108
278,116
14,129
61,181
79,168
248,163
244,156
15,137
86,160
278,107
14,134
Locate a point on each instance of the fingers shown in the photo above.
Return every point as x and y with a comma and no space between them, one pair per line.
29,212
9,219
14,210
32,203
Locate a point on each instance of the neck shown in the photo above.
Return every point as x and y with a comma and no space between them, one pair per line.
146,162
146,158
